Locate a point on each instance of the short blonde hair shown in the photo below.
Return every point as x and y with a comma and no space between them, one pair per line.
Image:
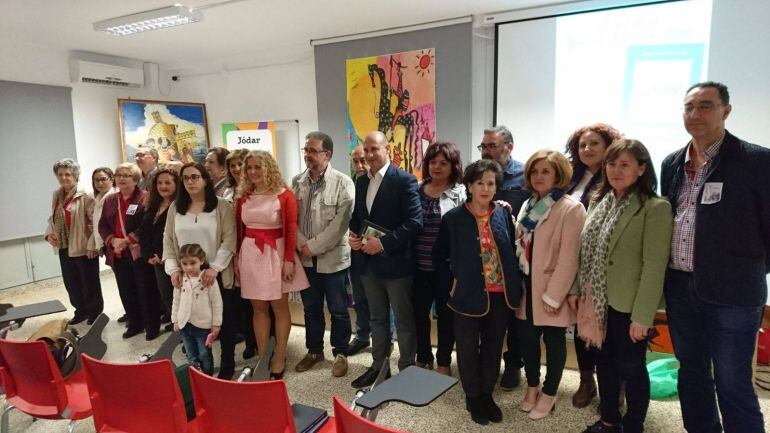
134,169
559,163
272,176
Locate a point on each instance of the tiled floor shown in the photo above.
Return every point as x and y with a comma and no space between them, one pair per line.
316,387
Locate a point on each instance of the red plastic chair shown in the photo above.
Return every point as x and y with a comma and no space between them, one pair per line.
34,385
242,407
136,398
348,421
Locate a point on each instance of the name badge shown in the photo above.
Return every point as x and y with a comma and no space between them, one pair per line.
712,192
132,209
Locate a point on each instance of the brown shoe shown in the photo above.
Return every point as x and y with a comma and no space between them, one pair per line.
586,391
446,371
309,361
340,366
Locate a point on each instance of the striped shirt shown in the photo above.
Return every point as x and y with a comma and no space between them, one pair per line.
315,186
431,223
683,241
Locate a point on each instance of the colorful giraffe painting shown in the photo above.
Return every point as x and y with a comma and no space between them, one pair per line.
395,94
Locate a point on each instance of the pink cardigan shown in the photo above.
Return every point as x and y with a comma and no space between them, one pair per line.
555,263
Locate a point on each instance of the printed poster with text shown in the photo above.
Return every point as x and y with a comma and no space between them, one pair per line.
250,135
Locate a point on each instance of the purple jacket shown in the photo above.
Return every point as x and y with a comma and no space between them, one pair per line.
107,223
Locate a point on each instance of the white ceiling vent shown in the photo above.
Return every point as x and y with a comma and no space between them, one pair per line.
103,74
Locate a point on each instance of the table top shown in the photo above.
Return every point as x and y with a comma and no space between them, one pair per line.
32,310
413,386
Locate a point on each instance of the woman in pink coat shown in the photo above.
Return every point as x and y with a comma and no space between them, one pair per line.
547,244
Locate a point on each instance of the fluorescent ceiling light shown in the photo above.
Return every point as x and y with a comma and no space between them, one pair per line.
170,16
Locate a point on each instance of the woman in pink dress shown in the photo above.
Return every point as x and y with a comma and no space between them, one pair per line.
266,212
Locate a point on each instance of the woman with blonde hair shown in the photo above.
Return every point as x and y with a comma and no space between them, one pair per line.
266,262
547,241
234,166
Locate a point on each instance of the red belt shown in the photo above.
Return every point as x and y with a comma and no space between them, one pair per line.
264,236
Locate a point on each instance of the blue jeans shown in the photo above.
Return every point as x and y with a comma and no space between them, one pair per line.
708,336
331,287
194,340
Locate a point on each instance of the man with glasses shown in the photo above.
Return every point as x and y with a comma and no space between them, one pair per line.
324,205
146,158
497,145
716,288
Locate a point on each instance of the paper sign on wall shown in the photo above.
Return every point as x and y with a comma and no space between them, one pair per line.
251,135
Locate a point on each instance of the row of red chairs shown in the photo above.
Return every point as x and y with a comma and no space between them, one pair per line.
139,398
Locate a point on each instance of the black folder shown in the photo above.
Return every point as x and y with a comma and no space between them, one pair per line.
308,419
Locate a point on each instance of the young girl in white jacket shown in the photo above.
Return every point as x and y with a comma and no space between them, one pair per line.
197,310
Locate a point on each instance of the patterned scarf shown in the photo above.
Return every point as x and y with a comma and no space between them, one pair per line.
60,221
530,216
592,276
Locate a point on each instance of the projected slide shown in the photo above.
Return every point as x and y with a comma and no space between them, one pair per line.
628,67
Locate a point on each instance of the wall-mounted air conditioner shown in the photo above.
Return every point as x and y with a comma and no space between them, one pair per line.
103,74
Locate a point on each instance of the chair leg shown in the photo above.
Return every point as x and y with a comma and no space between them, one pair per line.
4,418
71,426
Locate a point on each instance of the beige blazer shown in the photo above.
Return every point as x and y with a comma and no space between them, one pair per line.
81,235
555,263
330,215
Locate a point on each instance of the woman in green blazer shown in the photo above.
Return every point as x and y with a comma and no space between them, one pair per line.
624,251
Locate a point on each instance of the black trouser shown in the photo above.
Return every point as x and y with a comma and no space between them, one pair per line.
128,289
231,306
512,356
586,356
149,295
479,345
426,292
166,289
81,280
555,341
622,360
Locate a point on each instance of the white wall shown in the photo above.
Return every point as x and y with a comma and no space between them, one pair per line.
265,93
281,93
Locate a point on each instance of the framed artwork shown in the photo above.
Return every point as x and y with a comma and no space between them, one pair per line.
395,94
177,130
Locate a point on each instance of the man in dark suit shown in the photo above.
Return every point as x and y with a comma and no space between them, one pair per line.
716,287
386,197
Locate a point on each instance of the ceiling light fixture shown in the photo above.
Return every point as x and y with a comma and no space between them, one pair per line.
155,19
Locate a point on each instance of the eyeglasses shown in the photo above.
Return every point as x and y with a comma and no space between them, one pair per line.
488,146
313,151
102,179
192,177
703,107
123,175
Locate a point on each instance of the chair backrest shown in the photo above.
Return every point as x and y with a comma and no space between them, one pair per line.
348,421
224,406
135,398
30,374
